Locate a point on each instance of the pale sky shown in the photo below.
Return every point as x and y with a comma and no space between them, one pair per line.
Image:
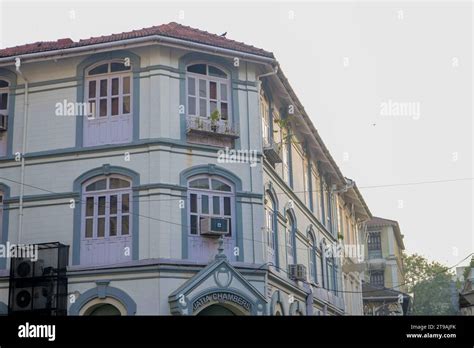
345,61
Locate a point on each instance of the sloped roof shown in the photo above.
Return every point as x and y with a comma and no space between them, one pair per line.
173,30
380,222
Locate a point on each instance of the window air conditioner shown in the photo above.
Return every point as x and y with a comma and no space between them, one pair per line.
297,272
214,226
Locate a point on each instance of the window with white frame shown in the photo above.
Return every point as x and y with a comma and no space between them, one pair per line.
109,94
107,212
312,258
210,196
306,180
265,114
290,239
271,229
316,192
208,89
286,148
4,88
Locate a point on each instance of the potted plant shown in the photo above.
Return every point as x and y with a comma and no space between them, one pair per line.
215,116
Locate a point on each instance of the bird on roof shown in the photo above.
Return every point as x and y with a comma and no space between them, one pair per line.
224,34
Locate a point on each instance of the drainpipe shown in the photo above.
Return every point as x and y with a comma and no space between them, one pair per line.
23,149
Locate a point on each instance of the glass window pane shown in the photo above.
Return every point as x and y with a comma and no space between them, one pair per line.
230,228
191,106
213,71
115,106
220,186
227,206
205,204
194,224
203,107
213,106
125,203
213,90
126,85
103,88
224,111
115,86
126,105
89,227
223,92
203,88
101,227
3,101
116,183
101,69
118,67
197,69
3,84
101,205
199,183
97,185
191,86
113,226
216,210
103,107
125,224
92,109
113,204
90,206
193,203
92,90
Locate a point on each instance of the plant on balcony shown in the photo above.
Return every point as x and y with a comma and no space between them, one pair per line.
340,236
215,116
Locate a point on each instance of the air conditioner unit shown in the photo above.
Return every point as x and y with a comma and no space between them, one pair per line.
297,272
22,299
25,268
3,122
214,226
43,297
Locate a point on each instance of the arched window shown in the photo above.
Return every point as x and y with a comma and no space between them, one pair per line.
290,239
270,229
312,258
108,92
322,262
208,89
106,220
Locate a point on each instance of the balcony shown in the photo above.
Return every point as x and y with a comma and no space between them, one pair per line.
272,152
203,130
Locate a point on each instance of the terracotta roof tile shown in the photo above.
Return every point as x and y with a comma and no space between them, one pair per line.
173,30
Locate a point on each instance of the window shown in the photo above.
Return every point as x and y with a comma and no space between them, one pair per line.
108,92
4,89
377,278
209,196
290,240
374,245
265,114
307,182
312,259
320,255
106,220
316,186
208,89
270,230
286,143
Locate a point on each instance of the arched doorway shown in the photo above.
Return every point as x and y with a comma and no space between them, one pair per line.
216,309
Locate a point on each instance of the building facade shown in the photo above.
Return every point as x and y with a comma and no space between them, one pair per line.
384,288
183,173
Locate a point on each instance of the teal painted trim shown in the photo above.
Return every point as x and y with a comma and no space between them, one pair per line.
189,58
212,169
42,197
162,186
160,67
105,170
107,56
277,299
5,221
135,144
12,80
103,291
49,89
249,195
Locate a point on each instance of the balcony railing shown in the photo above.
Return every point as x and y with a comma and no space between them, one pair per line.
375,254
203,125
272,151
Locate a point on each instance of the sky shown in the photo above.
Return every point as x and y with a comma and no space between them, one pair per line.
388,85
